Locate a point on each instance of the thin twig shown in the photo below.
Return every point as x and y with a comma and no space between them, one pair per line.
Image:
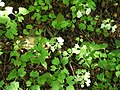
71,69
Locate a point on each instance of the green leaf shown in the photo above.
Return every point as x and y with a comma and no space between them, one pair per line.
16,62
28,83
47,1
25,32
55,61
12,28
65,71
111,65
70,80
35,87
54,23
1,83
89,61
70,87
20,18
82,51
25,57
91,4
44,18
13,86
52,15
64,60
117,42
98,30
55,85
0,62
117,73
14,53
45,8
73,8
21,72
118,67
103,46
84,18
89,18
64,53
23,11
90,28
96,54
101,77
41,80
34,74
44,63
29,26
82,26
1,32
60,17
66,2
12,75
93,22
102,63
61,76
53,68
31,8
64,24
4,19
36,16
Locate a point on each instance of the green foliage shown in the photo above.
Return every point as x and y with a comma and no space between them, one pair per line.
13,86
35,61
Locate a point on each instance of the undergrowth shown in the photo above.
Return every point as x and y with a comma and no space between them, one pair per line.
36,53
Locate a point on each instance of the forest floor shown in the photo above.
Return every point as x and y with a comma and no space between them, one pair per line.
103,9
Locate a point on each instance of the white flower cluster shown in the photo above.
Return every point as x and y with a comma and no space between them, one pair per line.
83,77
76,49
106,24
60,40
87,78
55,44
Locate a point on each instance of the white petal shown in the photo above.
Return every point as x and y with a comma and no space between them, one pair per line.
9,10
2,4
79,14
77,46
60,40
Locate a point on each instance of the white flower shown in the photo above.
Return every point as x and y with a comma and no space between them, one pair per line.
77,46
86,78
74,50
108,26
87,75
9,10
102,25
84,47
60,40
79,14
114,28
1,13
53,49
48,44
82,85
88,82
2,4
88,11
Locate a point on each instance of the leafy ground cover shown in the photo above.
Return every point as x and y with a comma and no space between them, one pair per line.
59,45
